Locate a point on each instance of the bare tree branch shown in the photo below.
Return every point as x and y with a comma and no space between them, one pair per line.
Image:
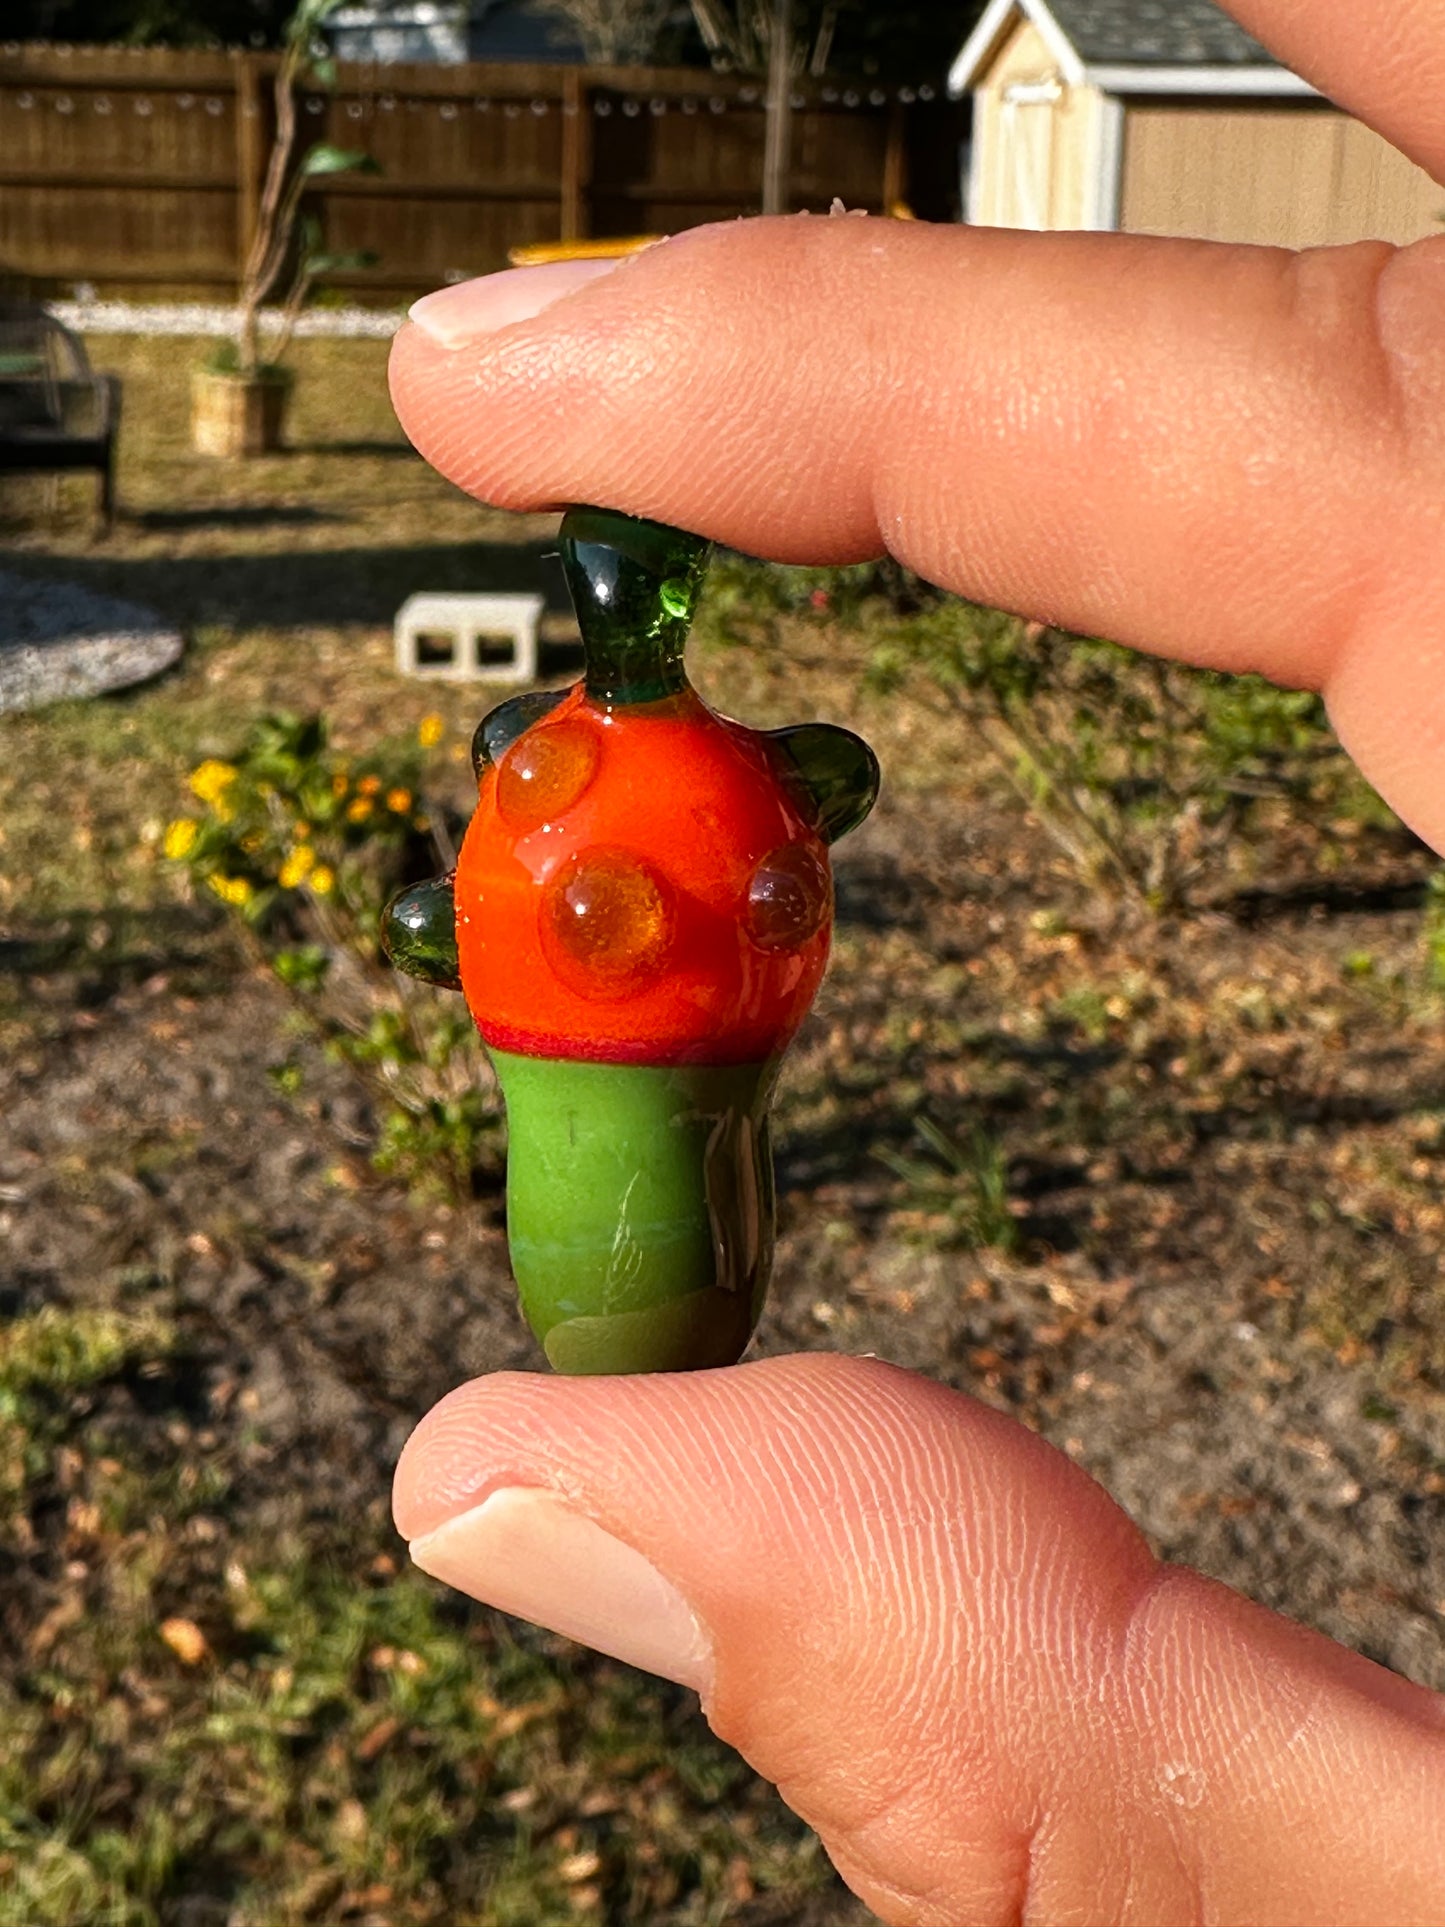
615,33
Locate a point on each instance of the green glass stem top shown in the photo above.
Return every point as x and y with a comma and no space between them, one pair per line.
634,585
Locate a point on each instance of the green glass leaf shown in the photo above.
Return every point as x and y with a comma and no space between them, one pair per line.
500,727
419,932
837,769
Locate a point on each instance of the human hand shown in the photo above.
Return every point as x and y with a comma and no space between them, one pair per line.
953,1653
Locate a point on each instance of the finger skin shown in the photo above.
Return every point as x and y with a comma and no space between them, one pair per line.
1384,60
1231,455
959,1660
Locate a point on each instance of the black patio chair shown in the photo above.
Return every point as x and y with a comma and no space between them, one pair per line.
55,413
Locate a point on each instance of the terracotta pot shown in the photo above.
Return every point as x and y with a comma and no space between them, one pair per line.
237,414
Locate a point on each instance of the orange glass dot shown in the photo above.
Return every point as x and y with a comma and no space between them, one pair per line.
788,898
607,923
543,774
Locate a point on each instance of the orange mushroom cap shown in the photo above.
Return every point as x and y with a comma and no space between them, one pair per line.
641,884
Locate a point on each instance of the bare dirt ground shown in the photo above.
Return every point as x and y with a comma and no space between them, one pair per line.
1227,1304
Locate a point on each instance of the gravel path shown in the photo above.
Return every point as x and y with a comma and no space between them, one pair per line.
207,318
60,641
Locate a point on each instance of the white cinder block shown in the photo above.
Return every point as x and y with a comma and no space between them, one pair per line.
451,636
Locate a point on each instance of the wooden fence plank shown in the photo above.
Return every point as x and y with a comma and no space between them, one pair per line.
144,166
576,126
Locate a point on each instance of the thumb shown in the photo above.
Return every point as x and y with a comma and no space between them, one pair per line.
955,1656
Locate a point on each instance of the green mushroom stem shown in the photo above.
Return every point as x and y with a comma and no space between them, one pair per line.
639,1209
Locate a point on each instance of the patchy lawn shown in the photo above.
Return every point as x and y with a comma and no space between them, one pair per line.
1177,1203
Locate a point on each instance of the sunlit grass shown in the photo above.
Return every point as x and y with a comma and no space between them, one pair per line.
303,1728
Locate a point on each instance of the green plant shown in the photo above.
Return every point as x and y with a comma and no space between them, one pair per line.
1138,770
959,1189
283,232
47,1355
68,1350
1435,931
305,846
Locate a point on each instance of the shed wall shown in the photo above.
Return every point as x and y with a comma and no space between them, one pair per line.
1288,176
1034,156
1024,56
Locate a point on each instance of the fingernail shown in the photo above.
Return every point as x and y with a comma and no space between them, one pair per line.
526,1553
453,316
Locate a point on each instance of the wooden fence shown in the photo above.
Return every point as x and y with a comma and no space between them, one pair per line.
139,170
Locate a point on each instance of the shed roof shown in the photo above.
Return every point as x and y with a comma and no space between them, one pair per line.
1159,33
1132,46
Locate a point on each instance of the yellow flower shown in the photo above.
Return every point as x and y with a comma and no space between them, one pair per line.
300,831
179,837
298,863
430,731
233,890
358,809
398,801
421,822
339,785
208,779
321,879
369,785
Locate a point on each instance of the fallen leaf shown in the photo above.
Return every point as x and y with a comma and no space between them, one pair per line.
55,1622
580,1866
351,1821
186,1640
380,1736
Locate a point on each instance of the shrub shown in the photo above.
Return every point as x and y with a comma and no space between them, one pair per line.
304,846
1139,770
1435,931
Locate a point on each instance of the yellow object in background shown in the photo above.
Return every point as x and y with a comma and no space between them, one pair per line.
613,248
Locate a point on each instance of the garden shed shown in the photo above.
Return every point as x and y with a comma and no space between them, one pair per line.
1165,117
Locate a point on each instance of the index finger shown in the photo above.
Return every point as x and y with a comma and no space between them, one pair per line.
1229,454
1384,60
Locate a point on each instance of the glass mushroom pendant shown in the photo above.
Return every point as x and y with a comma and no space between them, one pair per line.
639,920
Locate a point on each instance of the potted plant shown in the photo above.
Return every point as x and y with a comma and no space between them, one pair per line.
238,399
